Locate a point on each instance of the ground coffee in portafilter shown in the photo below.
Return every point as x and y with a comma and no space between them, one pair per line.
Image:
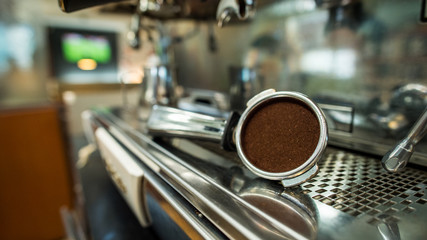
280,135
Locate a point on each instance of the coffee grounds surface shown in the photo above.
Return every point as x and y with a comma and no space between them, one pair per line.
280,135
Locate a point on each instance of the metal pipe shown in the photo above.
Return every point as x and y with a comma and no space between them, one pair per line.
396,159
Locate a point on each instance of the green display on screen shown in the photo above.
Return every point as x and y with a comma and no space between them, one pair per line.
78,46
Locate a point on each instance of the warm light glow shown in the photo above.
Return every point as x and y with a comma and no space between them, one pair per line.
86,64
132,76
69,97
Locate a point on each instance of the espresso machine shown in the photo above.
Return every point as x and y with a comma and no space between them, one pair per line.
242,89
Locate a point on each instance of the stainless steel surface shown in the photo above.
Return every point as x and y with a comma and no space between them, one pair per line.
397,158
161,195
205,101
389,231
169,121
356,53
305,171
406,105
338,117
358,186
221,205
153,188
158,86
351,197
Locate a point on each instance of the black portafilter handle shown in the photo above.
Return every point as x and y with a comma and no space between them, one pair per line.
74,5
227,141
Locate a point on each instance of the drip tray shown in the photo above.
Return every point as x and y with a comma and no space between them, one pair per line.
360,187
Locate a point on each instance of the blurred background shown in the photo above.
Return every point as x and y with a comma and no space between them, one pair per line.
41,99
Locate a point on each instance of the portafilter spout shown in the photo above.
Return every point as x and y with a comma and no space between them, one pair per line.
396,159
280,135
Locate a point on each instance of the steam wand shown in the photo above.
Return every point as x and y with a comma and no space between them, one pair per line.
397,158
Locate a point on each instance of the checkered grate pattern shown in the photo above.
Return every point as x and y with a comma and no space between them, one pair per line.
358,186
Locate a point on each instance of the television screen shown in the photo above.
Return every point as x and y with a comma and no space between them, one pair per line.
83,56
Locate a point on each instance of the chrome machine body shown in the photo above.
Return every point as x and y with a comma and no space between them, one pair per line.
362,62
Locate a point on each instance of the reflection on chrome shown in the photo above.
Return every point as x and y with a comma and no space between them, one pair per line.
289,207
389,230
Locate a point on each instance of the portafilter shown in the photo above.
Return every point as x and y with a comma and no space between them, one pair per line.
280,135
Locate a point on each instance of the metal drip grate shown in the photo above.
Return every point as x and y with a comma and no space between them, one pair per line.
358,186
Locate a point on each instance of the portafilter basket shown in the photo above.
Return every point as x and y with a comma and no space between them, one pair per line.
280,135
